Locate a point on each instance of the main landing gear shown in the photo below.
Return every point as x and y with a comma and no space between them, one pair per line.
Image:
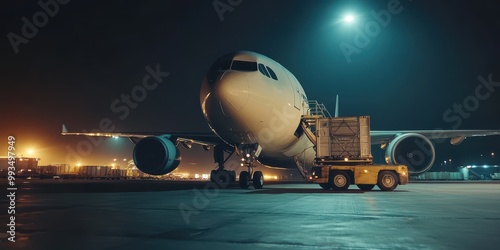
221,176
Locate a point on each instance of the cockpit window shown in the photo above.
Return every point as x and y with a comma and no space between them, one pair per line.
263,70
221,65
244,66
271,72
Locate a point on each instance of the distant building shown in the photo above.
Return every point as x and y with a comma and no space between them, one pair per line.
22,163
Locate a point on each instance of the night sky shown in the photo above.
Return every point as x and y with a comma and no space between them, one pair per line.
426,59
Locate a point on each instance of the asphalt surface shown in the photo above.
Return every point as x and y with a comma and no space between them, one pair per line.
63,214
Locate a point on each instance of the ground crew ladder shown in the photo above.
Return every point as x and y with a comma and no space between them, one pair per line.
309,120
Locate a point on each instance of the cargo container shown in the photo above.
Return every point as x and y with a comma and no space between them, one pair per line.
94,171
343,139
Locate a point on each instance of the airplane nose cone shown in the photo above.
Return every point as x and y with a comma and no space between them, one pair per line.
232,91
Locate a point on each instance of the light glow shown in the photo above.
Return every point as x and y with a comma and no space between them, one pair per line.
349,18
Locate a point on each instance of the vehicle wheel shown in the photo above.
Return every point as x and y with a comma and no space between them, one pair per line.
325,186
221,178
258,180
339,180
366,187
213,175
244,179
387,181
232,175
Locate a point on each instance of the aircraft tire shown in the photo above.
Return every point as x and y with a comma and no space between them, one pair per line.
244,180
258,180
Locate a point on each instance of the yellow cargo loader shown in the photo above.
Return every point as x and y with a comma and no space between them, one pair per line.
335,177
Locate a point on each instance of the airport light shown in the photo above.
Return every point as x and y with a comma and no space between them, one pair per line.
349,18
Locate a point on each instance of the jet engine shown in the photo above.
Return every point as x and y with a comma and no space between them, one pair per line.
413,150
156,155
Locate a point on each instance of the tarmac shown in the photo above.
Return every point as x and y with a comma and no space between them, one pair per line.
65,214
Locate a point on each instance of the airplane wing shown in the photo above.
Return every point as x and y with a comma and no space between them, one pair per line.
455,136
204,139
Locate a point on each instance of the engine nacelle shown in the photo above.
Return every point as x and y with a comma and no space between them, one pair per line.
413,150
156,155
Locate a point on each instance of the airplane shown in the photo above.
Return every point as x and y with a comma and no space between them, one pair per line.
256,108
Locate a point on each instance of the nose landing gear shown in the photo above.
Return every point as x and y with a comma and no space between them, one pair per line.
223,177
250,153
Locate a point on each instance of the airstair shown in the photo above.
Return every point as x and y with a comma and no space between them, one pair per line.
309,119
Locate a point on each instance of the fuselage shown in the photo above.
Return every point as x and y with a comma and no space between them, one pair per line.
248,98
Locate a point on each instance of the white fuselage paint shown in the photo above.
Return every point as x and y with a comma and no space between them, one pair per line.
247,107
